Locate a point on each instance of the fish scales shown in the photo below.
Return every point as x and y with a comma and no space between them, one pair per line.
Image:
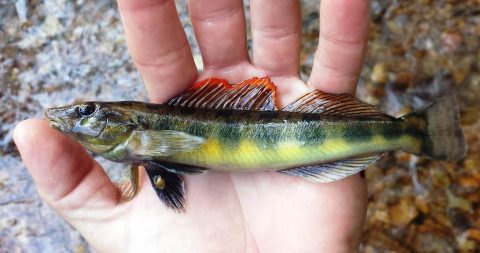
272,140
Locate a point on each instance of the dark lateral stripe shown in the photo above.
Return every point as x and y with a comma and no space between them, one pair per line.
415,132
391,132
313,137
230,135
353,132
267,136
196,129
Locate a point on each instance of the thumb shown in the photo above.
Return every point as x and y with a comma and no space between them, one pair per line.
65,175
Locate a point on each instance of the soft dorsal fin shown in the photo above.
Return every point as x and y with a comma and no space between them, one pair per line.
333,171
335,105
215,93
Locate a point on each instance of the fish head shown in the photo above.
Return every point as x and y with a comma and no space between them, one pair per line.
98,126
79,119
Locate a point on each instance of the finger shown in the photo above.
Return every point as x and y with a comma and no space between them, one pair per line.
342,43
276,31
158,46
64,174
220,31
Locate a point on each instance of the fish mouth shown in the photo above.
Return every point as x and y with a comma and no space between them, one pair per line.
60,124
57,122
55,125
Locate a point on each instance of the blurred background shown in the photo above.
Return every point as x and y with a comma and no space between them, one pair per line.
56,52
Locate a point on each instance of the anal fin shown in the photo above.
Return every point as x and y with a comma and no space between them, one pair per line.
333,171
169,187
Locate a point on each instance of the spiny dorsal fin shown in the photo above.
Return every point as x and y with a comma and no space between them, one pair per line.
333,171
335,105
214,93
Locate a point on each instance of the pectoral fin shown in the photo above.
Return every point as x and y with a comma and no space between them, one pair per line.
169,187
329,172
162,143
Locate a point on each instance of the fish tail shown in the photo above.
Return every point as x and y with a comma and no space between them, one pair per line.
438,127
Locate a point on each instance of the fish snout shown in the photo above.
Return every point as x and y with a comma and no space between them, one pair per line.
51,113
59,118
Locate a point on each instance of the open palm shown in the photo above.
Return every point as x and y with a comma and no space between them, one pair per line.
238,212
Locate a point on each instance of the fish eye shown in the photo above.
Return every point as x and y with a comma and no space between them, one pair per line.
86,109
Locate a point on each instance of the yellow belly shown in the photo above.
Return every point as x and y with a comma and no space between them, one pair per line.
249,156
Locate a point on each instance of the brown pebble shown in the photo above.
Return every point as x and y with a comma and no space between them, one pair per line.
403,212
470,115
379,73
403,80
459,218
468,182
381,215
470,163
452,40
474,234
421,204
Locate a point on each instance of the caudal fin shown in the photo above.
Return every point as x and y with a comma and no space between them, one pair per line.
443,139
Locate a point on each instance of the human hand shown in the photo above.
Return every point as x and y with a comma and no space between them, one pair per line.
266,212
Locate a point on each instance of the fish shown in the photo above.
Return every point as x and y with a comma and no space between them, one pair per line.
218,126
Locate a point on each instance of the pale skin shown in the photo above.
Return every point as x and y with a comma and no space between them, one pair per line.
225,212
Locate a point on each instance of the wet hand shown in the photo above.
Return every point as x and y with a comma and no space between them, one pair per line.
266,212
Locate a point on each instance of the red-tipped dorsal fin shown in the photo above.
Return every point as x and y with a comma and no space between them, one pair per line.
335,105
215,93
